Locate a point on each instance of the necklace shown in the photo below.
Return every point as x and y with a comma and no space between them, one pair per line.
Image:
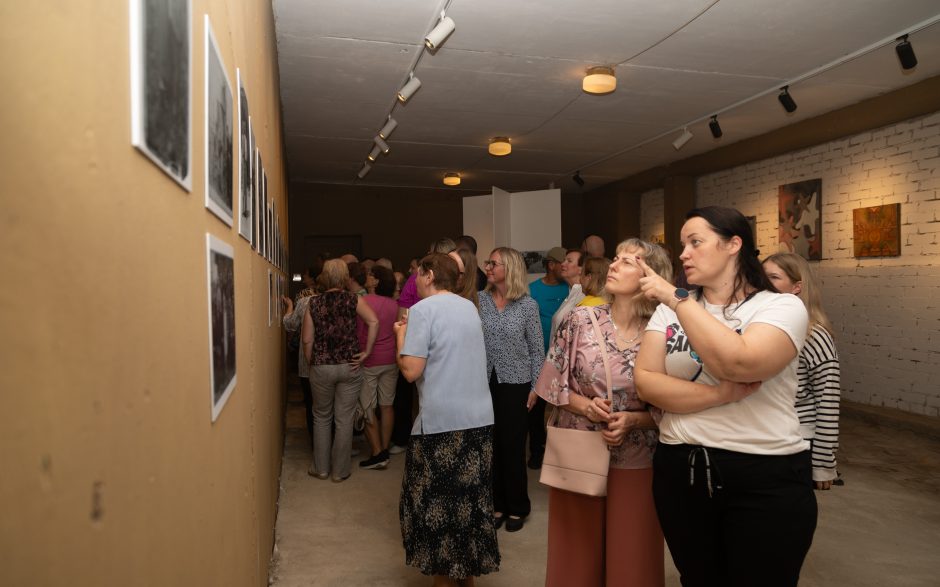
624,339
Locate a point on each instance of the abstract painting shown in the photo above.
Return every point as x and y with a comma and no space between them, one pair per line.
800,214
876,231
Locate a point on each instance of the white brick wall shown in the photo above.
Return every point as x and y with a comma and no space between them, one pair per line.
885,312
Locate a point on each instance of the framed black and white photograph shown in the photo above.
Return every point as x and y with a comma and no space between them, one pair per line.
270,255
262,211
245,151
220,164
255,161
161,93
220,268
271,299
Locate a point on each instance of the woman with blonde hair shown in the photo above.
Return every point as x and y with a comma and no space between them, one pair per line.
732,476
612,540
593,278
331,347
512,332
817,399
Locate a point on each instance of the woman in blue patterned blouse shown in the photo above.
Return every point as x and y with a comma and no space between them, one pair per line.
514,356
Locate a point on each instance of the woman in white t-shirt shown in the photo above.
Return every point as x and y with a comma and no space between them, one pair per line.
732,476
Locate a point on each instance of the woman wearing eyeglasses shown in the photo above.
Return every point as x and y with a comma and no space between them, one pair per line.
513,335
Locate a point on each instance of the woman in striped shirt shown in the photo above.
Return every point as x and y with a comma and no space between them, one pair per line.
817,399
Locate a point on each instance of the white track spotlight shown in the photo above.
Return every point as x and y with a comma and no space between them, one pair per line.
409,89
366,168
388,128
376,151
684,138
381,144
439,33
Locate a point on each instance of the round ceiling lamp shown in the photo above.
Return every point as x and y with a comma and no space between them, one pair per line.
599,80
451,178
499,146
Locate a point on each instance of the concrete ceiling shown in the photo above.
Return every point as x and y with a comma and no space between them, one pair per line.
514,68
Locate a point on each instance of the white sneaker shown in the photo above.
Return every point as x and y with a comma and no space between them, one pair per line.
394,449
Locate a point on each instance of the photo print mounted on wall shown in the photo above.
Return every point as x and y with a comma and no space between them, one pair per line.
270,228
271,300
161,96
255,161
534,261
220,165
244,161
800,212
876,231
220,267
259,209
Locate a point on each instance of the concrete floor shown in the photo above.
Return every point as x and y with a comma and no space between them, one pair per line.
882,528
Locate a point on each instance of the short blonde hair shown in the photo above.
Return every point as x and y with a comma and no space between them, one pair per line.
516,286
335,274
657,259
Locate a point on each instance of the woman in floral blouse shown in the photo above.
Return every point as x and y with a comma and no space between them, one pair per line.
512,332
614,540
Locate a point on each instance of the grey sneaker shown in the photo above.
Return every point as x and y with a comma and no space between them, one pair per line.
394,449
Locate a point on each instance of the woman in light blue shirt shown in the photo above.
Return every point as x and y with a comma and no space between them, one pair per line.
446,498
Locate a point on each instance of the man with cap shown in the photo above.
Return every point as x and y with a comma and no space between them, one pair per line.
549,292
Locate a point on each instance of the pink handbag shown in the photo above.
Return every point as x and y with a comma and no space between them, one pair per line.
578,460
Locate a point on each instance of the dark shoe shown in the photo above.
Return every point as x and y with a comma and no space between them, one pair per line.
379,461
340,479
498,521
514,524
535,462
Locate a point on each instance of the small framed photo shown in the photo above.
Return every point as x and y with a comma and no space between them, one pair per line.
220,269
161,85
219,133
245,209
271,295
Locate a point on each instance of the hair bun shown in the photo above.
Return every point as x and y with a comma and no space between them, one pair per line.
757,252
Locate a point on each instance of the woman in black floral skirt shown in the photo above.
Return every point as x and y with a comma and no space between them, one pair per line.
446,499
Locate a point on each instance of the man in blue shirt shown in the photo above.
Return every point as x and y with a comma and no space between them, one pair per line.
549,292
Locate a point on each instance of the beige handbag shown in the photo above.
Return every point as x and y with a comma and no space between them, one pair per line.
578,460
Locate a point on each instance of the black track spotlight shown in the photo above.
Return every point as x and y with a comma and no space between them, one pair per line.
906,53
786,100
578,179
715,127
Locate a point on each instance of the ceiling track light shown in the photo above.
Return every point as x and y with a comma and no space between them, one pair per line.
599,80
786,100
409,89
374,154
682,139
388,128
366,168
905,53
578,179
715,127
451,178
499,146
381,144
439,33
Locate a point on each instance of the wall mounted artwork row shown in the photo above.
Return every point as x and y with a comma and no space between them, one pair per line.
876,231
161,129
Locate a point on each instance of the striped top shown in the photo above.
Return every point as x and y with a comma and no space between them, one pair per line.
817,401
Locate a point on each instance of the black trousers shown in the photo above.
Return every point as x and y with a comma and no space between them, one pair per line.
537,434
754,529
510,480
402,406
308,405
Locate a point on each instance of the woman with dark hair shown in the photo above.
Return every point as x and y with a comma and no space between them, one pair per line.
514,356
732,474
379,370
446,493
467,282
332,349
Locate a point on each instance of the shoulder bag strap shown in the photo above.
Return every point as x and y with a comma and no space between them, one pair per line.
603,344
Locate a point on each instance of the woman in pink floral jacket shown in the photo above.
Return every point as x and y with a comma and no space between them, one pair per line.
613,540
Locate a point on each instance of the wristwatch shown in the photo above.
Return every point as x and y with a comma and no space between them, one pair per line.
681,294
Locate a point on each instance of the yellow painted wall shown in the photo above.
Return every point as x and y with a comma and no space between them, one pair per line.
111,472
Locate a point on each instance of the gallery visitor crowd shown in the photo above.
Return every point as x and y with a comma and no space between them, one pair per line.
713,411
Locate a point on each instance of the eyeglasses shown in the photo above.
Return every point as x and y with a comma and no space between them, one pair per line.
491,264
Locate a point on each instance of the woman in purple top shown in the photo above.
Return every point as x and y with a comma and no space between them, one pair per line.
379,370
613,540
332,349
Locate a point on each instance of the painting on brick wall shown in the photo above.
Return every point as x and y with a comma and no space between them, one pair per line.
876,231
800,206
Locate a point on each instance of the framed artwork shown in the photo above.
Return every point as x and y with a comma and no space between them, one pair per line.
800,214
269,227
255,163
220,268
534,261
876,231
244,161
262,206
219,135
270,297
161,93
